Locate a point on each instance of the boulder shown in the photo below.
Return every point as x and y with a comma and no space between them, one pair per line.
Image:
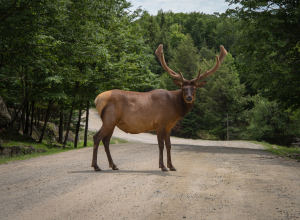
19,150
51,130
16,150
5,117
12,113
5,151
71,137
28,149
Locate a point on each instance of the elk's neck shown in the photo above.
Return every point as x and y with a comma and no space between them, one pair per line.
183,106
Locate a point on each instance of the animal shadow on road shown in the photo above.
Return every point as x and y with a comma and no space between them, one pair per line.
260,154
216,149
125,172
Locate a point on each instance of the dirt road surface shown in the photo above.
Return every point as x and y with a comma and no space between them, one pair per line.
214,180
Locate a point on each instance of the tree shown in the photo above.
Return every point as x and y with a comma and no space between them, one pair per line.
268,48
67,52
223,94
186,59
269,122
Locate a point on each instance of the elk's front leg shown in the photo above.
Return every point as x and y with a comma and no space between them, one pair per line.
168,146
160,138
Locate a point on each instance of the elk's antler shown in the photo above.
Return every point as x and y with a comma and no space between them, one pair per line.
220,59
160,54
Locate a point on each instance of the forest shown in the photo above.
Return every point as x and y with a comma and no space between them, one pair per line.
57,56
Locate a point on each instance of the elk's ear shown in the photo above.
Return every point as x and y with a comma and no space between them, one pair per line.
200,84
177,83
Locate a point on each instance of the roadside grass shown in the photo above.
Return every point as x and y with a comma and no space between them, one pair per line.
50,147
278,150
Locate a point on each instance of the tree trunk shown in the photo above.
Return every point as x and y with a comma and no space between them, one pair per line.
61,127
42,113
77,129
38,116
23,120
86,123
35,115
27,111
32,111
227,129
16,116
46,120
68,125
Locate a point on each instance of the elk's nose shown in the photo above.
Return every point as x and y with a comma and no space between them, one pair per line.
189,98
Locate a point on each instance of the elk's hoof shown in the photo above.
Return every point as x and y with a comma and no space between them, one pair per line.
164,169
115,167
96,168
173,169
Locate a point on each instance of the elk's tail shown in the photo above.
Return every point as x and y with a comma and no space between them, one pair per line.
101,101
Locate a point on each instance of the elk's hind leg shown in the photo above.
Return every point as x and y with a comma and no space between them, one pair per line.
106,141
97,138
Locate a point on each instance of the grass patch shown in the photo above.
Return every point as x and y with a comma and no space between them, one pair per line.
11,137
278,150
51,149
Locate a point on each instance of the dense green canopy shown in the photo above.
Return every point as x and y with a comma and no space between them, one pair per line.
59,55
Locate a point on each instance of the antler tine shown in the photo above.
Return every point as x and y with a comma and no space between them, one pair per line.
181,76
198,77
223,54
220,59
159,53
213,70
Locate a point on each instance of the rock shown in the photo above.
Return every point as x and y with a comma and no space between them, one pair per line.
41,150
57,146
71,137
51,130
5,151
12,113
5,117
19,150
15,151
28,149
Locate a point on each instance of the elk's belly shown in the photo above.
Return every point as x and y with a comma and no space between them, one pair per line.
134,127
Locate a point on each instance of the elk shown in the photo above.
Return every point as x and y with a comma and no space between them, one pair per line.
157,110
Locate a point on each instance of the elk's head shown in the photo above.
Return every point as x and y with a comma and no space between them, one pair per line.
189,87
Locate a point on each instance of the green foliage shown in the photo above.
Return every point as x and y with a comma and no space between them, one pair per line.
185,58
67,52
269,122
268,48
222,93
176,35
49,147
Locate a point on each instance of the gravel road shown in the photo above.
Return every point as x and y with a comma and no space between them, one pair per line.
214,180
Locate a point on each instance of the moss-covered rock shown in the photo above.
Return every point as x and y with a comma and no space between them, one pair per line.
19,150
